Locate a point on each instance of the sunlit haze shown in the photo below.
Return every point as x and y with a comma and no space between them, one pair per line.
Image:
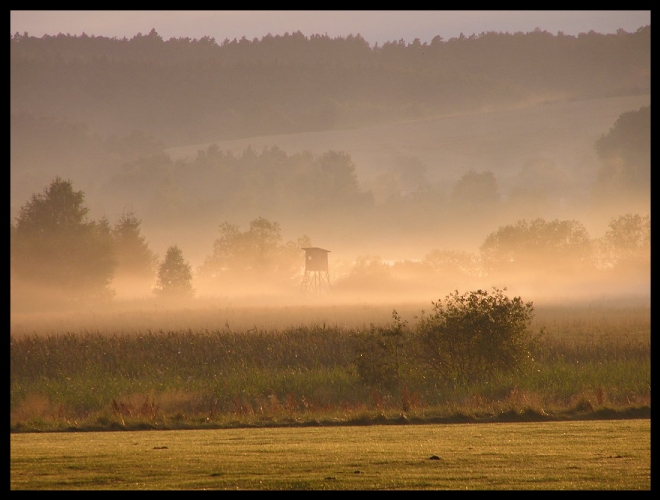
425,151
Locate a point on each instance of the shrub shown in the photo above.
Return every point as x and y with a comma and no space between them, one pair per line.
379,354
474,336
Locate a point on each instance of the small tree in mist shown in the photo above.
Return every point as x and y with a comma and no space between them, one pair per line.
561,247
625,155
54,247
474,336
135,261
174,275
255,255
476,192
626,245
368,272
453,265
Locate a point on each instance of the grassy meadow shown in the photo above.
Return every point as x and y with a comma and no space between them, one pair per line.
576,455
229,367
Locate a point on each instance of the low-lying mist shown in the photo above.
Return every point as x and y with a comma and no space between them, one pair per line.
360,293
520,162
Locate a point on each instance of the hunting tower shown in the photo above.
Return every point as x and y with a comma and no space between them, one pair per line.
317,276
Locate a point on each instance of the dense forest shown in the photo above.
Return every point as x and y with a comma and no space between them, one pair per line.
184,91
103,113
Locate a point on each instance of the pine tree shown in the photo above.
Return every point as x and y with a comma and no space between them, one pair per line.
174,275
136,263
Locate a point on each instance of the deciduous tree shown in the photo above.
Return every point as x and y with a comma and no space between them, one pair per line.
256,254
558,246
626,245
56,249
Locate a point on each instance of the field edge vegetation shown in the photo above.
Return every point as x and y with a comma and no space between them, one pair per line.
583,411
560,364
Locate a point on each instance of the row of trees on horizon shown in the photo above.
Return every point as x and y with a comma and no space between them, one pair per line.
307,190
56,248
103,111
293,83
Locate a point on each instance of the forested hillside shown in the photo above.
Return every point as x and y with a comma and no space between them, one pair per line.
184,91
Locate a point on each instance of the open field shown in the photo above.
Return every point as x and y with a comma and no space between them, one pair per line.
584,455
226,368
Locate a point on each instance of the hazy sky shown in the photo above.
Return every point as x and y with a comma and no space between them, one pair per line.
375,26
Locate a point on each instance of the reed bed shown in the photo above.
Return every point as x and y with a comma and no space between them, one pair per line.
589,358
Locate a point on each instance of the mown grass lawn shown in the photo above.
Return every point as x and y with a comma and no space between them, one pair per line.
582,455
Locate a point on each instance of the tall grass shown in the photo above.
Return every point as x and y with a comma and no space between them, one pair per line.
587,359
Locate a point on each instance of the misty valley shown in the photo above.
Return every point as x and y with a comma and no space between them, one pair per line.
421,168
309,229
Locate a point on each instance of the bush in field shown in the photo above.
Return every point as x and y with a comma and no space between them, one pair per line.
474,336
379,354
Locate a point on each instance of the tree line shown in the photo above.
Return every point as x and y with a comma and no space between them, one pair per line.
278,84
293,82
307,187
54,245
56,250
